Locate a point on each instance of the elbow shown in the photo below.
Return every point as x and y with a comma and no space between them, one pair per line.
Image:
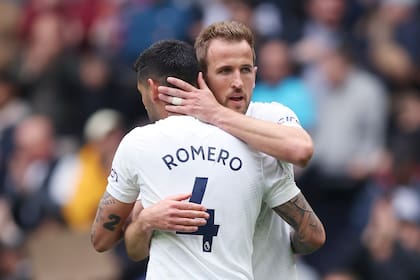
135,256
304,153
99,245
100,248
318,240
310,244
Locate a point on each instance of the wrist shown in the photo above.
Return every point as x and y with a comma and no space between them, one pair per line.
142,223
220,117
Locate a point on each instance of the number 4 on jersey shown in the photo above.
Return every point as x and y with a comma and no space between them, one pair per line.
210,229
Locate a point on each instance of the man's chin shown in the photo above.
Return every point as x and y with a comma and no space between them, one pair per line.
239,108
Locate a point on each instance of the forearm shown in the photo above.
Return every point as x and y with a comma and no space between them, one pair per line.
300,245
137,240
307,233
286,143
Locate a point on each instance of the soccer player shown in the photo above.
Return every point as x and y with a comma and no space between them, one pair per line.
221,61
180,154
224,67
287,142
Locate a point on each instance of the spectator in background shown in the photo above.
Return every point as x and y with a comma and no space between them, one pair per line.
103,131
100,84
276,82
390,246
93,88
389,37
157,20
43,70
404,137
348,139
9,35
31,169
12,110
13,260
322,29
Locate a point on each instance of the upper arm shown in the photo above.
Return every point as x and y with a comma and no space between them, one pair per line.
111,216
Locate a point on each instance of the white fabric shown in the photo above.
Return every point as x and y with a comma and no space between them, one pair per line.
165,159
272,256
273,112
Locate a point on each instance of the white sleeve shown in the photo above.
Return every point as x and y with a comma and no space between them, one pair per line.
122,180
274,112
279,182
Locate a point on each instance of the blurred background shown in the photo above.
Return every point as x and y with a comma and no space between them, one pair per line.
350,69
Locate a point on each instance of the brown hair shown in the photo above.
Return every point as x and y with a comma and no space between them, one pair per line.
225,30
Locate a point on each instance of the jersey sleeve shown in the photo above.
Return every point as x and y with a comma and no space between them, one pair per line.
122,181
273,112
280,185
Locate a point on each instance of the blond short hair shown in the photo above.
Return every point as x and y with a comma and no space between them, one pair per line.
232,31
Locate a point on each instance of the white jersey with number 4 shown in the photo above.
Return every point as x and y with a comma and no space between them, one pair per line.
273,258
180,155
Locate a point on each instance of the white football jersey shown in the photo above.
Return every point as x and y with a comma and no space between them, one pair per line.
272,256
179,155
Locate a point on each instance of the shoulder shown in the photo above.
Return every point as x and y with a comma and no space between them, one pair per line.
272,111
257,107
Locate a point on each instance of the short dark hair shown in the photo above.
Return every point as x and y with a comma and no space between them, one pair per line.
167,58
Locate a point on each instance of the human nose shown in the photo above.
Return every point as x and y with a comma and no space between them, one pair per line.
237,80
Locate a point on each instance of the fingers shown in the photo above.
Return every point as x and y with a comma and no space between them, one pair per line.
172,100
180,84
201,82
191,214
179,197
190,206
185,224
172,92
184,228
176,101
182,89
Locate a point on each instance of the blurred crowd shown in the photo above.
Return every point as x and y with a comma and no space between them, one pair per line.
350,69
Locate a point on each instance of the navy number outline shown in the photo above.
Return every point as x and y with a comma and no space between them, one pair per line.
209,230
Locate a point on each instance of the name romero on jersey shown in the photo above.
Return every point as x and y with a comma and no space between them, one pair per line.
218,155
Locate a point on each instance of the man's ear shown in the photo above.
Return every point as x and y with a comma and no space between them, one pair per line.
154,93
255,74
138,87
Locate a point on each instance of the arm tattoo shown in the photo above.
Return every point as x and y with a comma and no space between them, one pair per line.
299,215
113,220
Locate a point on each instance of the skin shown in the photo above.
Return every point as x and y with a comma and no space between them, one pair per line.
231,75
109,222
308,233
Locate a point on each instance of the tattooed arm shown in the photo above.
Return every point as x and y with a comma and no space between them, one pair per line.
308,233
109,223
